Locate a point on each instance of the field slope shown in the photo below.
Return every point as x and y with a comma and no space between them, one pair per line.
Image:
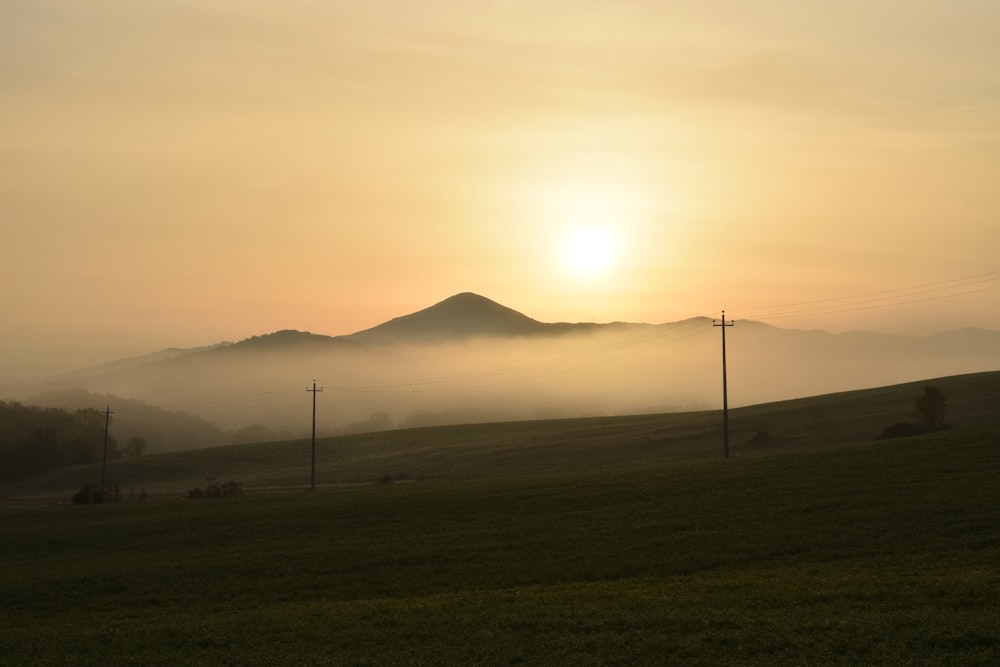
807,548
476,451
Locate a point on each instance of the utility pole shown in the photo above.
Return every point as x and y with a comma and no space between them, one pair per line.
312,476
725,389
104,459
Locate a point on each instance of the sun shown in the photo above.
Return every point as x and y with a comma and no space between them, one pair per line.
585,216
589,251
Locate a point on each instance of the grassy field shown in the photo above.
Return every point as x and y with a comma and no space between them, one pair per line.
598,542
479,451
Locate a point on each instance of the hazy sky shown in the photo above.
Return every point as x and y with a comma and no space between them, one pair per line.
180,172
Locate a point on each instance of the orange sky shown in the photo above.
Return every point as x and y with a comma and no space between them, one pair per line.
178,173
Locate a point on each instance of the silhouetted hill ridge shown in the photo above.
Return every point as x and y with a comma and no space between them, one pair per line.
290,339
466,352
464,315
467,315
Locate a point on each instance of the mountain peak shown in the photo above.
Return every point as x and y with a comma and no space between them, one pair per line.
469,303
461,316
467,298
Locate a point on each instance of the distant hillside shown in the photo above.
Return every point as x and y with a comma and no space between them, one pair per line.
284,341
122,365
280,342
162,430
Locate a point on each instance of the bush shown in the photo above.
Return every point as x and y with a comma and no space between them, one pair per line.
931,407
395,477
904,430
91,494
217,490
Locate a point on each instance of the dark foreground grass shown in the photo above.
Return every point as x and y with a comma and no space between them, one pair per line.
879,554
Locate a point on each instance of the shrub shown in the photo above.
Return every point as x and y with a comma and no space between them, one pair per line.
903,430
930,407
217,490
395,477
91,493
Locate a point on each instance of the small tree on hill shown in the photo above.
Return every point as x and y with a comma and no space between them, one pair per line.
136,446
931,408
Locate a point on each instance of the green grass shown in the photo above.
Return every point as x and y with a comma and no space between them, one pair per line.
479,451
813,550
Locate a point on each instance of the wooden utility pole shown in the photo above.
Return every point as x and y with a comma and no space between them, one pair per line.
725,388
104,459
312,476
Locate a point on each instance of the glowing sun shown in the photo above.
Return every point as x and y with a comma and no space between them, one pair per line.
589,252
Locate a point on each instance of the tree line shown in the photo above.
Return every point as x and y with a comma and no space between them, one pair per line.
35,439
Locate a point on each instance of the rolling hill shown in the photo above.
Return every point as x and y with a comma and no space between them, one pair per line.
475,451
612,541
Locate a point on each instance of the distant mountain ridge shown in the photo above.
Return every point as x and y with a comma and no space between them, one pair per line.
467,315
287,340
469,358
463,316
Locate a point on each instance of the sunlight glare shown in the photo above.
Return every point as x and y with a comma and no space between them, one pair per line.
589,252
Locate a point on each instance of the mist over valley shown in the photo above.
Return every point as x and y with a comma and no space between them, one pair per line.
468,359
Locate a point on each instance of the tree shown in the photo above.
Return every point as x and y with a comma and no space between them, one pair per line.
136,446
931,407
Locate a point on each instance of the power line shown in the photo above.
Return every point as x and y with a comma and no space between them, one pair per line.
656,336
873,305
245,400
412,386
889,298
510,369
